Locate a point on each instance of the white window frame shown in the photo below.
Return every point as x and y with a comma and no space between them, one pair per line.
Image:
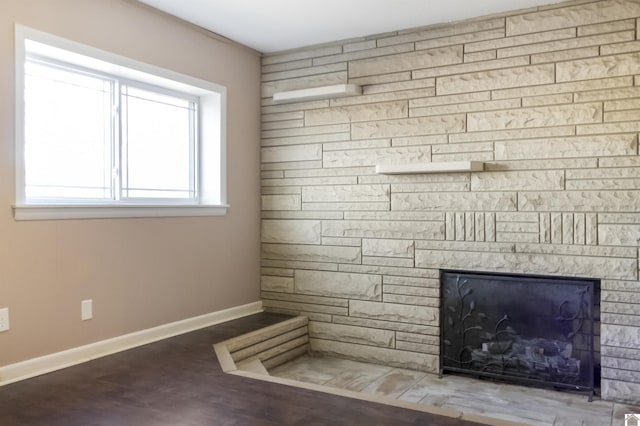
211,149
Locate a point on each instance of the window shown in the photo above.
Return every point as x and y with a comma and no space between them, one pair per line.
98,135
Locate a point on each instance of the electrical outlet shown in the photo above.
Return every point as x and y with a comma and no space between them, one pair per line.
4,319
86,308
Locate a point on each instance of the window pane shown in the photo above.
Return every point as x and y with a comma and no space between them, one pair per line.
158,145
67,134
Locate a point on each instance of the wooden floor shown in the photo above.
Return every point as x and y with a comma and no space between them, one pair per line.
178,381
533,406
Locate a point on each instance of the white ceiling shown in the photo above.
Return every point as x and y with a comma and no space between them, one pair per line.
273,25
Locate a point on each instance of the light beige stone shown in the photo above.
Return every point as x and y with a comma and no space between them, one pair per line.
305,298
287,190
281,272
284,124
346,114
270,108
584,201
382,79
320,172
273,174
614,49
454,200
527,39
395,216
295,264
398,86
418,347
359,45
625,218
518,181
342,193
611,84
283,116
430,187
295,153
281,202
496,135
292,165
409,127
546,116
291,231
384,97
329,180
387,325
615,268
338,284
496,79
372,157
467,39
581,146
306,139
284,66
412,291
306,131
387,248
619,235
623,127
383,229
376,355
465,107
278,284
311,253
620,391
338,241
351,334
577,250
284,214
606,66
387,261
433,283
300,54
470,67
517,227
574,43
296,307
394,312
450,99
607,27
485,55
406,61
347,206
360,54
489,247
388,270
614,93
302,72
620,335
420,140
581,14
566,55
563,98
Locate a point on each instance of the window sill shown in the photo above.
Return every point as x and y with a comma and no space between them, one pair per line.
107,211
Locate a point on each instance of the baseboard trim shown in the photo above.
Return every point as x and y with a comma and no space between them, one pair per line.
45,364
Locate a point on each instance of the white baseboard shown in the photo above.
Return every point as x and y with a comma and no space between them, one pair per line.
45,364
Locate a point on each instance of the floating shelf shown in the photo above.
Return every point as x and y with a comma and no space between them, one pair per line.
325,92
443,167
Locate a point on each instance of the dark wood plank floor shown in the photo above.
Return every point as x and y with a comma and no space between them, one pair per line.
178,381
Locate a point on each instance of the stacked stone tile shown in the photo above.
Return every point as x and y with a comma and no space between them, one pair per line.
548,98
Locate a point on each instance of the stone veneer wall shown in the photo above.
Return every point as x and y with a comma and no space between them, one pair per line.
548,98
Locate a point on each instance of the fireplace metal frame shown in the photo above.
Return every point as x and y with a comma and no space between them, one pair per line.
589,389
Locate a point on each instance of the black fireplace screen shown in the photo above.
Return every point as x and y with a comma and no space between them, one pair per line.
519,328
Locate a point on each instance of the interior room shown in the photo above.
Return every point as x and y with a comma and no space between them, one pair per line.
338,212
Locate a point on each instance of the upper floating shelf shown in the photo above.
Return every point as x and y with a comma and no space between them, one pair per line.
325,92
443,167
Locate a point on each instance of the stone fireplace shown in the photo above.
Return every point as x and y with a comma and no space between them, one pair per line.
548,99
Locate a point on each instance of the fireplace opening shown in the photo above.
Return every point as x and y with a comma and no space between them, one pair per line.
536,330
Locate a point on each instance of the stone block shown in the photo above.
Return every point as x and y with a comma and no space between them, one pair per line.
496,79
306,131
450,99
432,283
338,241
280,272
601,67
527,39
399,86
285,214
387,248
372,157
579,146
348,206
485,55
412,291
298,264
382,229
518,181
431,187
607,27
418,347
596,85
420,140
409,127
338,180
466,38
284,66
311,253
399,95
571,16
614,390
418,338
351,334
291,231
619,235
565,55
300,54
464,107
573,43
305,298
498,135
281,202
387,261
616,268
295,307
338,284
394,312
582,201
292,153
360,54
614,49
620,335
545,116
470,68
292,165
345,193
376,355
356,113
406,61
278,284
303,71
492,201
306,139
387,325
563,98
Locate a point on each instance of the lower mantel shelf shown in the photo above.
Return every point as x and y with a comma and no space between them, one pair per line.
442,167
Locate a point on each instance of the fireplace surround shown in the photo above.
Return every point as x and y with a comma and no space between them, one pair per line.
519,328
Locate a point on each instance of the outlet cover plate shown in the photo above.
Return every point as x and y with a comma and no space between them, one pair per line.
87,309
4,319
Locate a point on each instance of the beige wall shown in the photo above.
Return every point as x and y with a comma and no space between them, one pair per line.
140,273
548,98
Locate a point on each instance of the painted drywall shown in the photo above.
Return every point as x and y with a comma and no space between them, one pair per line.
548,98
139,273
